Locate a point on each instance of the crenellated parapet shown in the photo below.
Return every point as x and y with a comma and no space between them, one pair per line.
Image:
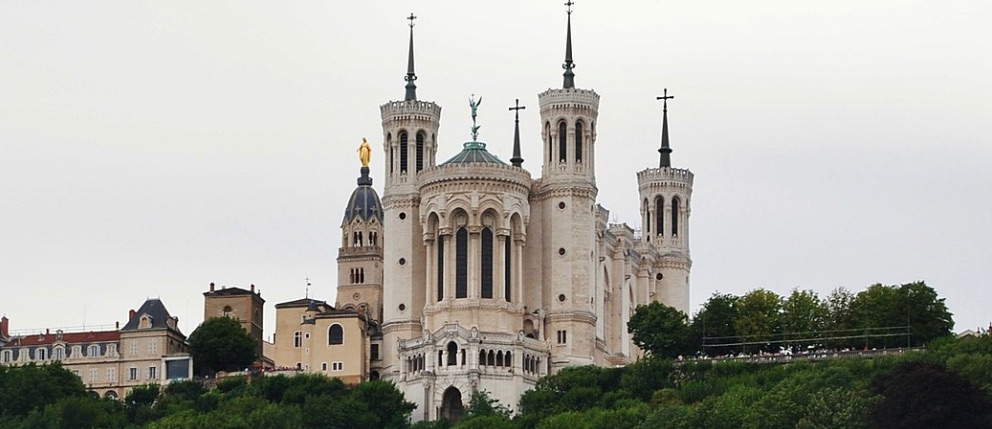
410,110
665,176
568,98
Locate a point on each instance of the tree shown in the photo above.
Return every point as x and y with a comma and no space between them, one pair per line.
803,318
839,320
927,314
714,324
759,319
220,344
926,395
659,329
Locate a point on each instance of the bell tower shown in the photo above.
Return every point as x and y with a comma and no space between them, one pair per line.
567,198
409,129
665,194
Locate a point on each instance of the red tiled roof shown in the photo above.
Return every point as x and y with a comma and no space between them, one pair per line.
70,338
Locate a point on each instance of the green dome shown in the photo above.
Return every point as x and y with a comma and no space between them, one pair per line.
474,152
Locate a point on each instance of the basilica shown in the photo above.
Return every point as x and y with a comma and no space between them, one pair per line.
471,274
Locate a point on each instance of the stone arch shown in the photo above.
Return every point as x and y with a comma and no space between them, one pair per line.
452,407
562,141
404,138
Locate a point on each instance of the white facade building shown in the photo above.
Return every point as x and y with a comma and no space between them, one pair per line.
477,276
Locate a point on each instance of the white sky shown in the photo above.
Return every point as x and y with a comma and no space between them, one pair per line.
150,148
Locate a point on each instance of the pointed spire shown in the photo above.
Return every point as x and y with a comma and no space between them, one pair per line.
569,65
411,88
516,160
666,150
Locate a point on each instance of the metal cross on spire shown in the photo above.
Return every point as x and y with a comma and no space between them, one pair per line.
569,75
411,88
516,160
665,150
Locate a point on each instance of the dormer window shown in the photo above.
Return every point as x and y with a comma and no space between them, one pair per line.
145,322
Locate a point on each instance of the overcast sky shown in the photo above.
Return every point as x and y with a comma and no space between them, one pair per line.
150,148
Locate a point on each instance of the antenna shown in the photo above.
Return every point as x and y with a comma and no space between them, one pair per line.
308,288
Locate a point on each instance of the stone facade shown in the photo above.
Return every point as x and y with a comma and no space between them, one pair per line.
148,349
485,278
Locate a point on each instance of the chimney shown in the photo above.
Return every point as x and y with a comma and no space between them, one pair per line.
117,325
130,315
47,331
211,286
253,288
4,327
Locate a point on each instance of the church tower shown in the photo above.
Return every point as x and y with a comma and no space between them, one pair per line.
566,196
360,254
665,194
409,129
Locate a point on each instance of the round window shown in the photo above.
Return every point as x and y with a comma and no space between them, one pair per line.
402,307
561,251
402,215
561,205
659,276
561,298
402,261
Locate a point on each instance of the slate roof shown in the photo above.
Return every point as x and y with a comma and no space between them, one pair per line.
154,308
364,202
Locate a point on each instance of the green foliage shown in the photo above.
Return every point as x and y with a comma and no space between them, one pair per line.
389,408
480,404
661,330
804,317
926,395
221,344
30,387
714,324
759,320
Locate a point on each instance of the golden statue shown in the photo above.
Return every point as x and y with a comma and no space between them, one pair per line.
365,153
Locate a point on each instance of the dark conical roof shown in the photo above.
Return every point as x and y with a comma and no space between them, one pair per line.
474,152
364,202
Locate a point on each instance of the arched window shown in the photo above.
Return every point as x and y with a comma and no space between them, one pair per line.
403,151
499,358
506,268
359,238
659,215
420,151
482,357
491,360
487,263
452,354
335,335
562,142
647,218
41,354
59,353
93,350
461,263
507,361
675,216
547,136
578,142
440,267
